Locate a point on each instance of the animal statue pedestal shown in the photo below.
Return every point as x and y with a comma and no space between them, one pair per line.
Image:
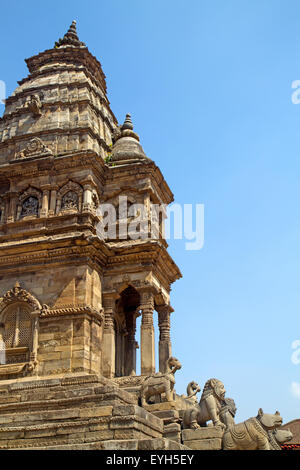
170,416
164,406
206,438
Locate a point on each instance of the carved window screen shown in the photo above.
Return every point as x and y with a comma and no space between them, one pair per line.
17,335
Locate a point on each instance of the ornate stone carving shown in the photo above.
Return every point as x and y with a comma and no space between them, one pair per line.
69,197
63,310
157,384
164,322
34,148
253,433
209,407
69,201
30,206
34,105
17,294
228,412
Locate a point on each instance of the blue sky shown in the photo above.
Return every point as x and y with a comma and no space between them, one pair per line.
208,84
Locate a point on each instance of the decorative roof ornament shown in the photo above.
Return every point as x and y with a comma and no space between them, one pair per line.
126,144
70,38
127,123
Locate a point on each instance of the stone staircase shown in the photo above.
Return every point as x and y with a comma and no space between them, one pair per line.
77,412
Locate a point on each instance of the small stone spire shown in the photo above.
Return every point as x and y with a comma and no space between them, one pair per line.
70,38
126,145
127,123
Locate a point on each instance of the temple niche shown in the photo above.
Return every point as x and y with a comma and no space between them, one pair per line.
71,292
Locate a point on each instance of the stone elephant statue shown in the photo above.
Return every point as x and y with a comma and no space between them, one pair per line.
253,433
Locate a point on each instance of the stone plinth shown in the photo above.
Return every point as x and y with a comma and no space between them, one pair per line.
209,438
168,405
81,411
172,427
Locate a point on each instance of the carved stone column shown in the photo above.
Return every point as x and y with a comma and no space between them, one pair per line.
53,201
45,202
109,346
165,347
88,186
131,345
35,329
147,334
12,207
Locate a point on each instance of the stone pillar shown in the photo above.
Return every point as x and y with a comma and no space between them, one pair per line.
147,215
109,347
35,329
147,334
12,207
45,202
87,196
165,347
131,346
53,201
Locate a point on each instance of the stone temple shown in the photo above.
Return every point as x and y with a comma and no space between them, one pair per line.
70,297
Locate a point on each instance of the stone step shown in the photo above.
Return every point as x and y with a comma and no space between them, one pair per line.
101,396
79,426
130,444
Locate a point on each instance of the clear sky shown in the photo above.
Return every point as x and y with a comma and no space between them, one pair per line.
208,84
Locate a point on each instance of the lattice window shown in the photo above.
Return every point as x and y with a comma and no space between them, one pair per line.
17,333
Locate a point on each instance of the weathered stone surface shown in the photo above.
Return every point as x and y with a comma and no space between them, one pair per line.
171,405
160,444
120,445
167,415
202,433
205,444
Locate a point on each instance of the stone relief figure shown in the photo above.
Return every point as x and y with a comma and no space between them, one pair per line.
278,436
209,407
69,201
253,433
34,105
30,206
228,412
157,384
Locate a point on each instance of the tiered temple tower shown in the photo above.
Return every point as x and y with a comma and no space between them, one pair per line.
70,298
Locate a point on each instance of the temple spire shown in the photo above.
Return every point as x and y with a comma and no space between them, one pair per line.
70,38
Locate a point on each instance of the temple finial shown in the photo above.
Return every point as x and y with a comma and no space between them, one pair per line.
127,123
70,38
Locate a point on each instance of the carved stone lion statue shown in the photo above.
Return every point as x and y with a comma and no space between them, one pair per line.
209,407
253,433
228,412
157,384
